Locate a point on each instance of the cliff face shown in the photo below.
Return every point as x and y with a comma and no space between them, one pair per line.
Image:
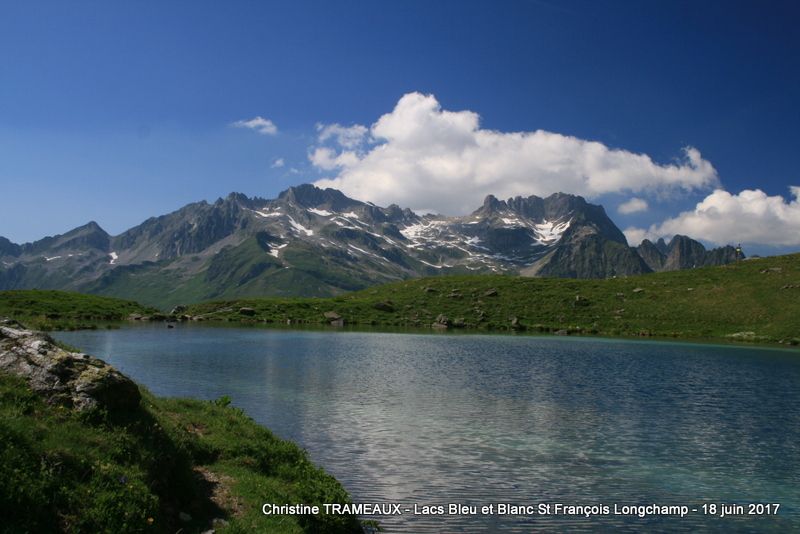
72,379
683,252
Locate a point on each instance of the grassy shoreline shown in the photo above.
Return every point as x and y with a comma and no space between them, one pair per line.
171,465
753,302
367,329
43,309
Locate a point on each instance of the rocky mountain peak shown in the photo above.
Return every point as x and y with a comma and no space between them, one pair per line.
651,255
232,201
682,252
491,205
239,198
88,236
91,226
554,207
7,248
311,196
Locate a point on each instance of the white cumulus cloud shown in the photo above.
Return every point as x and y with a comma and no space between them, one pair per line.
751,217
258,124
345,136
277,163
633,205
420,155
328,159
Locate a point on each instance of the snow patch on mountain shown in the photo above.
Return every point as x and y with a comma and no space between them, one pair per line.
275,251
549,232
265,213
321,213
299,227
361,250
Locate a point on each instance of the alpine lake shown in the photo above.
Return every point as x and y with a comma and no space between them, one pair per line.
480,433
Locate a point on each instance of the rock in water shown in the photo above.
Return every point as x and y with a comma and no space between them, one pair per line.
69,378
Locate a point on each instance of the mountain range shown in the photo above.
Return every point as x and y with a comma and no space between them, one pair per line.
319,242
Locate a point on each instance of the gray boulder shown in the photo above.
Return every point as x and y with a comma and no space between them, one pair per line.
73,379
442,321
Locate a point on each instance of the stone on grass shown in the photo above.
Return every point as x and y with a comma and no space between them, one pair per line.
71,379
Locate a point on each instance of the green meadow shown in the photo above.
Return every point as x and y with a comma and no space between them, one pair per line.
756,300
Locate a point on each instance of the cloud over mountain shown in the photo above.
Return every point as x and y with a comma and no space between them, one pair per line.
751,216
633,205
425,157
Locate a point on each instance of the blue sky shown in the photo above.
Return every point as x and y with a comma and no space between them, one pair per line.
115,112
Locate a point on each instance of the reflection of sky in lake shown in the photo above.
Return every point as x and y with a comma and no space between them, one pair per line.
433,419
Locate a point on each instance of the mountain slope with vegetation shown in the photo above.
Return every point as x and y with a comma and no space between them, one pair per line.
318,242
753,300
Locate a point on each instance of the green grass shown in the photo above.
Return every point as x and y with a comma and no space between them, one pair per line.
136,472
754,301
62,310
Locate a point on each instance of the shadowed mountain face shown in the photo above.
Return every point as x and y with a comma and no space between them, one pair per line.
319,242
683,253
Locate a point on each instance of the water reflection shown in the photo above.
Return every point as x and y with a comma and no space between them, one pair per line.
480,419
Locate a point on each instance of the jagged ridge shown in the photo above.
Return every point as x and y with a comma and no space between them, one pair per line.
319,242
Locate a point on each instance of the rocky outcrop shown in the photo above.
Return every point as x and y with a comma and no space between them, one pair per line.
683,253
7,248
81,239
441,322
72,379
585,254
591,245
652,255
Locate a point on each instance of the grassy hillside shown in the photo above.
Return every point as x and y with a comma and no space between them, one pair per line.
49,309
175,465
755,300
238,271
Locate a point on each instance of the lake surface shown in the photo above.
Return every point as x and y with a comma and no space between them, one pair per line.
478,420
